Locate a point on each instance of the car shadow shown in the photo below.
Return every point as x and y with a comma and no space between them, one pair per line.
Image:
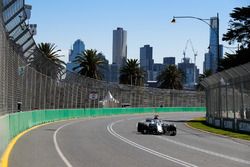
182,121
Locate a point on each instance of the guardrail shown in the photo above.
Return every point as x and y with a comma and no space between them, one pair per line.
13,124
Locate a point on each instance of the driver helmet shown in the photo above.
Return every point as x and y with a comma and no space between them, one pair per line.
156,116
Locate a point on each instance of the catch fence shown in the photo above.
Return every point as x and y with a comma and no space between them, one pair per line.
228,98
29,81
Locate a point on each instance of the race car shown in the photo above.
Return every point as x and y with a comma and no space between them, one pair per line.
156,126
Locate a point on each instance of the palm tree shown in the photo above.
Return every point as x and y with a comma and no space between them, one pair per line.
207,73
49,50
89,64
51,61
170,78
131,73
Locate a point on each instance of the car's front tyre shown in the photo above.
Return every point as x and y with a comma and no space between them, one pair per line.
144,131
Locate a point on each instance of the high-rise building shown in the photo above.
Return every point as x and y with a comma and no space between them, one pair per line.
168,61
206,63
104,69
78,47
146,61
114,73
221,51
119,46
157,69
190,71
210,60
214,53
213,43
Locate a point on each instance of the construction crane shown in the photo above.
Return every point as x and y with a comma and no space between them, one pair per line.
195,55
194,52
184,51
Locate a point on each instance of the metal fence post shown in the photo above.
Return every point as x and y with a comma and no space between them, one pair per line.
242,108
235,120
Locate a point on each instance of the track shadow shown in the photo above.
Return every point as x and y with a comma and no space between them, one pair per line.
181,121
52,130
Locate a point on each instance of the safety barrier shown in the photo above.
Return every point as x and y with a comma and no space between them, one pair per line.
228,98
29,81
13,124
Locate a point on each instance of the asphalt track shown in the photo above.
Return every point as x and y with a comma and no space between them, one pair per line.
114,142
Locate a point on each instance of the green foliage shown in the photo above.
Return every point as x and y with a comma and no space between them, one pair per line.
131,73
49,51
200,123
239,27
89,63
239,32
207,73
50,65
170,78
241,56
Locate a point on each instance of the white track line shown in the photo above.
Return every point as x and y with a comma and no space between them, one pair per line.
65,160
158,154
205,151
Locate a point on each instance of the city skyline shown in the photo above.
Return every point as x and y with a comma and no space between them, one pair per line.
119,54
145,23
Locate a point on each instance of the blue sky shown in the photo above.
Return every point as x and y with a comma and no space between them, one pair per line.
146,21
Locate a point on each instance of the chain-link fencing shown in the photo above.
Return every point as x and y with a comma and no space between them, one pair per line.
29,81
228,98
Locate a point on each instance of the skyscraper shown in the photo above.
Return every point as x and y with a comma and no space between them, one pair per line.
206,64
213,43
104,68
168,61
146,60
190,71
78,47
157,69
114,73
119,46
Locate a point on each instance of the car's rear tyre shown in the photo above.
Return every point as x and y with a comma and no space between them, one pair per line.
173,133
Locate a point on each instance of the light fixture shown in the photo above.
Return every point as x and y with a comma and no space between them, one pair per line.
173,20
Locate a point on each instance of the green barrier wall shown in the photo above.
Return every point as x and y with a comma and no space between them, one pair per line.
4,133
13,124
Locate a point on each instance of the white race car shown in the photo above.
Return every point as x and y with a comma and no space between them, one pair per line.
156,126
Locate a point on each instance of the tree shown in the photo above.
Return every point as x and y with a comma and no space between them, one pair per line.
131,73
207,73
51,60
170,78
89,63
239,32
241,56
49,50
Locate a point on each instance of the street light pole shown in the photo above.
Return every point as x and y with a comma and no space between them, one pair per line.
190,17
212,28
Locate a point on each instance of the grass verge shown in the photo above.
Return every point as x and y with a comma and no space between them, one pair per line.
200,123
